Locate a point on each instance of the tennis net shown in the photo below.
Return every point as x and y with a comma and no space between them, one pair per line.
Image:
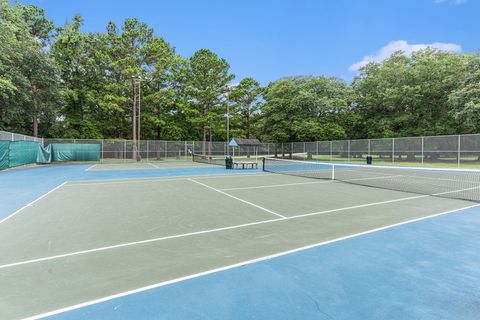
446,183
203,158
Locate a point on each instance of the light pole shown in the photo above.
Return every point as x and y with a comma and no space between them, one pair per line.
136,125
228,116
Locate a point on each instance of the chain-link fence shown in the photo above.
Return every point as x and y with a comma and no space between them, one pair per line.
10,136
448,151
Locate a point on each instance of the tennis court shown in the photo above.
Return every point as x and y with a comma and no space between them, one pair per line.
195,241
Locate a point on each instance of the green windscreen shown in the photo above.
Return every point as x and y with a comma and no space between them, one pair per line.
23,152
18,153
44,155
4,154
75,152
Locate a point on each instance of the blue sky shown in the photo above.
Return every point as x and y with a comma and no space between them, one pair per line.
267,39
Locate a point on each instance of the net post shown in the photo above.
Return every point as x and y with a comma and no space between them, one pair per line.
333,172
263,164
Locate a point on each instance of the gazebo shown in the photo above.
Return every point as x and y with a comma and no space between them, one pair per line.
245,146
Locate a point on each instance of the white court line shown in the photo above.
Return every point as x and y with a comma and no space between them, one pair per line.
357,206
171,178
73,184
236,198
91,167
127,244
454,191
236,265
31,203
279,185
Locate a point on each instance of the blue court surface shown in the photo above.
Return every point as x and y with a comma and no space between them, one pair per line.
184,241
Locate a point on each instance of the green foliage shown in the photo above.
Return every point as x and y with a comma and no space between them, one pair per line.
28,77
208,78
64,82
408,96
246,102
306,109
465,99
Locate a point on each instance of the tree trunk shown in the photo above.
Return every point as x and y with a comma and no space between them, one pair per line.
35,126
204,139
35,112
210,139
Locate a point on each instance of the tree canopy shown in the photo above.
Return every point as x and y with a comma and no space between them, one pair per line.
59,81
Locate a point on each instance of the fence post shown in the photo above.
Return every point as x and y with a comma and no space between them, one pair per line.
423,150
369,147
186,151
331,151
148,152
13,137
124,150
393,150
348,155
101,152
459,154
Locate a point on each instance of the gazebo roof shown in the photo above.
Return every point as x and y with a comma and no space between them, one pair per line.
240,142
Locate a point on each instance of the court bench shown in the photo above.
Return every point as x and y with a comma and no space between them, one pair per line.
245,164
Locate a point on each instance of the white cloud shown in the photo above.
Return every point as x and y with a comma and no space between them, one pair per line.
406,48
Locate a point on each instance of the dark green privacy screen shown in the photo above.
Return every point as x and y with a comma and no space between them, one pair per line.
18,153
4,154
23,152
75,152
44,155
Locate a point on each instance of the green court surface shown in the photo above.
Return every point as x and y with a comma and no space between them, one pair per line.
91,239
